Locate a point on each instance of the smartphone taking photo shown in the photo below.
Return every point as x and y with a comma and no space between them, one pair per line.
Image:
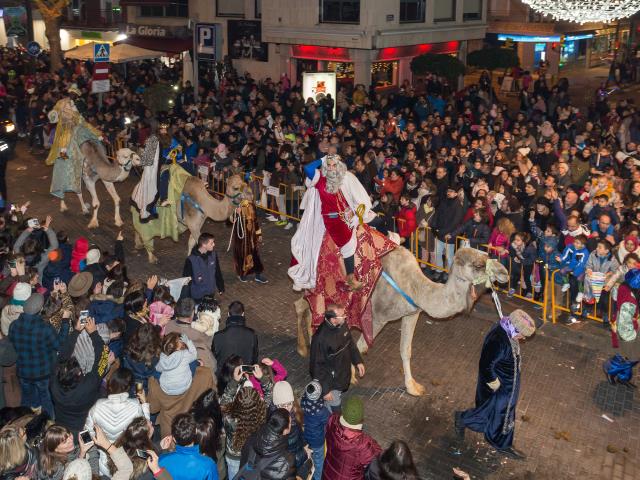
142,454
83,317
86,437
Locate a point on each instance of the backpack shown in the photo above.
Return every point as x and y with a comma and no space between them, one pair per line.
252,469
619,369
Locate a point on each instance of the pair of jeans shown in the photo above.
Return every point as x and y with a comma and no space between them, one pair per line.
35,393
232,467
317,455
447,249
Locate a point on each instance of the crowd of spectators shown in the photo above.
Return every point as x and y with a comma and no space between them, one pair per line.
102,350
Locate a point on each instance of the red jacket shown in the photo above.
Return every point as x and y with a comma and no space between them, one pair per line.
348,452
394,187
408,223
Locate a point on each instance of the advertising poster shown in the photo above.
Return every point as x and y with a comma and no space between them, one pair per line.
245,40
15,23
318,84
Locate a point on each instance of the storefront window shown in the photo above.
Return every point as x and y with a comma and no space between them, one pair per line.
412,10
472,10
178,8
384,74
344,71
229,8
444,11
340,11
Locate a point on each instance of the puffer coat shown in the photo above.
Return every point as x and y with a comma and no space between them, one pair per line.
271,450
349,451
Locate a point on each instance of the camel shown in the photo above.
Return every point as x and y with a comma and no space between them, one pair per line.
437,300
79,157
198,206
97,166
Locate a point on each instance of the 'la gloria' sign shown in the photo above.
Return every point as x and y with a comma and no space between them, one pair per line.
147,31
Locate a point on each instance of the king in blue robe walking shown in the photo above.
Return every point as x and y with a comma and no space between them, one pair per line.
498,384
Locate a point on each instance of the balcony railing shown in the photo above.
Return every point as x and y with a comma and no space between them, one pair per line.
87,17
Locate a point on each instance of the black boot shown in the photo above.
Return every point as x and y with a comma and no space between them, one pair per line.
513,453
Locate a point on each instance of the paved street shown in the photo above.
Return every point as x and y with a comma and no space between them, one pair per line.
571,423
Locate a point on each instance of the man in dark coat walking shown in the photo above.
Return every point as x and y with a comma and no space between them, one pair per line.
498,384
333,351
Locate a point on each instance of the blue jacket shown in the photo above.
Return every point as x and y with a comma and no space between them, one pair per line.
575,260
103,308
187,463
315,424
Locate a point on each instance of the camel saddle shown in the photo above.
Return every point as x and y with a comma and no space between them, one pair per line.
331,284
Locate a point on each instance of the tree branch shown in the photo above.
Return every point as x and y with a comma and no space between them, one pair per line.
51,9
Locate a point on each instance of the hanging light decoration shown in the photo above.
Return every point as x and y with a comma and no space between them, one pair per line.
585,11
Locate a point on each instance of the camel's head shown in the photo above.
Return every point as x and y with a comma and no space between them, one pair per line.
127,158
237,190
476,267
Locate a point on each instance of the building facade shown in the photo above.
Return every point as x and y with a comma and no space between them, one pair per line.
559,44
363,41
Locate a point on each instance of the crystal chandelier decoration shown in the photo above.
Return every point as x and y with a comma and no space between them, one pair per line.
585,11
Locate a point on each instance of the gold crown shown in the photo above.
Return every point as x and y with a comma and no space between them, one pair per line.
164,126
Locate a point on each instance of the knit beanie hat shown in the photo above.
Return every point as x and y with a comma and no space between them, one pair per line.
78,468
34,304
352,412
55,255
312,402
93,256
523,322
21,292
282,393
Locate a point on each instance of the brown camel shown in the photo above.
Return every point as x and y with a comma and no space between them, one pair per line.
200,206
437,300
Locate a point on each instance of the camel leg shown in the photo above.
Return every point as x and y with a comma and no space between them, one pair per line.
84,206
116,202
95,202
406,338
63,206
137,241
303,315
194,223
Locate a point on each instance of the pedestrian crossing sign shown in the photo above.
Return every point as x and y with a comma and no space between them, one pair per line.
101,52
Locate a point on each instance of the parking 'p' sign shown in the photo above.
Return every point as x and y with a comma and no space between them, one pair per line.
207,41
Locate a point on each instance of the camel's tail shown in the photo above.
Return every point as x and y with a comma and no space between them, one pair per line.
303,315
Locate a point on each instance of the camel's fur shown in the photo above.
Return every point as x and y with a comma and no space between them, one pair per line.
97,166
216,210
438,301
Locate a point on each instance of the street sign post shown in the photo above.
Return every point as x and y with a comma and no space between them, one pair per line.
34,49
101,52
207,46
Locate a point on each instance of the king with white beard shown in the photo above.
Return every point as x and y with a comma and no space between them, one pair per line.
329,204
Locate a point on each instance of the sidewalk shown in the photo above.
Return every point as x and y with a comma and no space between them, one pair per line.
564,393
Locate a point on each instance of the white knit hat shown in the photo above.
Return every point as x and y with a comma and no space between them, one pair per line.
21,292
93,256
282,393
78,468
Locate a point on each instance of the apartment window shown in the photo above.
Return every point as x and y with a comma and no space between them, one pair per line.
230,8
178,9
340,11
444,11
412,10
472,10
258,8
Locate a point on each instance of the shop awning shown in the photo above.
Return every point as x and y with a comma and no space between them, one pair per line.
168,45
119,53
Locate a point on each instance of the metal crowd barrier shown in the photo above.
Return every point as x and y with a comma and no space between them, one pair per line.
422,245
564,304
